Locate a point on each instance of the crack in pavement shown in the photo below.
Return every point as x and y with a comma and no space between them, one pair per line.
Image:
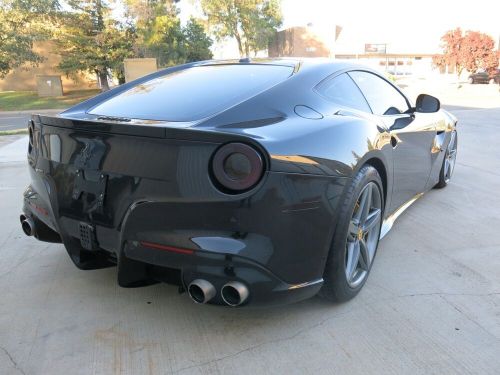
286,338
14,363
469,318
24,260
323,321
7,238
250,348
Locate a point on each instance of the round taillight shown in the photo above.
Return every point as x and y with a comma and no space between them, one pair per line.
237,167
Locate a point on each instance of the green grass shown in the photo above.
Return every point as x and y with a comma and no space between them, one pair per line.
26,100
13,132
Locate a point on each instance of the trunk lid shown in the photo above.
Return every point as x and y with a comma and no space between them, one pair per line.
95,171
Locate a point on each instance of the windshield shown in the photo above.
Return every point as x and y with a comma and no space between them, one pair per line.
194,93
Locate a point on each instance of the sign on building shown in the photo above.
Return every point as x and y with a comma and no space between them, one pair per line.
378,48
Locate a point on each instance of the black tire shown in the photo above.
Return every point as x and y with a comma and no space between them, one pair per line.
336,287
444,180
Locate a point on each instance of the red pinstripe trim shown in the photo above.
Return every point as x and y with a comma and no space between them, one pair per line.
166,248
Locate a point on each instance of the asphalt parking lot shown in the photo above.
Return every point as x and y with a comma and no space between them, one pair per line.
15,120
431,304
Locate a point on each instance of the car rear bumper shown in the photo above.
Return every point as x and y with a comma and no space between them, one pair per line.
278,254
141,262
149,206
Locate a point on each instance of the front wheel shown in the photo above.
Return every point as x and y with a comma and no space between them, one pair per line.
450,158
356,237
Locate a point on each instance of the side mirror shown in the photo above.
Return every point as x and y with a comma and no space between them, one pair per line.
427,104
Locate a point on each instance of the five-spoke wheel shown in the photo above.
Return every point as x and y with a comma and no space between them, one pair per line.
362,236
356,236
450,157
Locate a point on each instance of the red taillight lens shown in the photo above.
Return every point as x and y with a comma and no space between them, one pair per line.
237,167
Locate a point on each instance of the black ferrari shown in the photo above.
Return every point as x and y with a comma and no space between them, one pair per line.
242,182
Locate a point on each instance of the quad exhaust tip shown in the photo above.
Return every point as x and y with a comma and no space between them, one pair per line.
27,225
234,293
201,291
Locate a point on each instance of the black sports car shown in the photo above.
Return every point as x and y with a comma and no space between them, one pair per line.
243,182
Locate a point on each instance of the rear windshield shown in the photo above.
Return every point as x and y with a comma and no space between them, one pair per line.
194,93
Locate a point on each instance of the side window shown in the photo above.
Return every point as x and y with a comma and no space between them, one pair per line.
342,90
382,97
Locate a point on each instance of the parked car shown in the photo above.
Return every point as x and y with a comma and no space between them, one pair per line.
485,77
243,182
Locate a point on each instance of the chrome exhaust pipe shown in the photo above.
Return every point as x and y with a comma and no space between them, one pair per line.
234,293
27,225
201,291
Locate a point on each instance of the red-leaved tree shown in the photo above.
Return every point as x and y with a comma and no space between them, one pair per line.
470,51
478,51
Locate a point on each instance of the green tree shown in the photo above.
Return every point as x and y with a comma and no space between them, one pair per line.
172,44
143,12
90,41
23,22
158,28
161,35
251,22
163,39
196,43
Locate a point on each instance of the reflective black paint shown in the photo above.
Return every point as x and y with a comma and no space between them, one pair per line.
156,187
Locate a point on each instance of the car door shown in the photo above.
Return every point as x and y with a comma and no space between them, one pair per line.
484,77
412,135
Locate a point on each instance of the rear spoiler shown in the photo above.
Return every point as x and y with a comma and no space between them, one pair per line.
140,129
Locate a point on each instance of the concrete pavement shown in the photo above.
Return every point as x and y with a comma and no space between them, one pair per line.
431,304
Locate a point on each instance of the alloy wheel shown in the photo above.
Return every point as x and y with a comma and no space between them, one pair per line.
363,234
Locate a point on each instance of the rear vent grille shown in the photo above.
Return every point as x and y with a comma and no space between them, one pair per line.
87,236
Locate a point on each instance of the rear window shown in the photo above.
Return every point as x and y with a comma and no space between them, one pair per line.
194,93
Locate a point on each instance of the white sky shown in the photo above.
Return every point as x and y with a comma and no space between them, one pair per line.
406,26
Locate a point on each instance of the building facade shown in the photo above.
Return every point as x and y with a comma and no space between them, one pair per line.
25,78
